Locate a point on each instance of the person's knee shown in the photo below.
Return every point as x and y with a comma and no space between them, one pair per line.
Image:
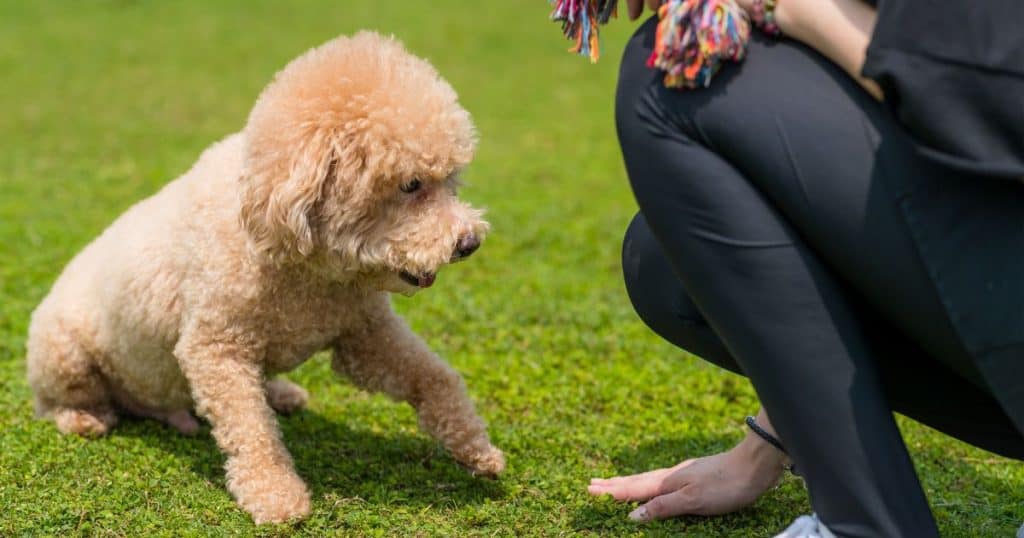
661,301
651,285
635,247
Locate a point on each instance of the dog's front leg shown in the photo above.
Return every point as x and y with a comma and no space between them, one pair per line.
227,386
387,356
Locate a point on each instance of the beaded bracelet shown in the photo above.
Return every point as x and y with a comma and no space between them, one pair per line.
770,439
764,17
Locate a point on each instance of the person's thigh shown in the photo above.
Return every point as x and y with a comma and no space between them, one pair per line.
809,139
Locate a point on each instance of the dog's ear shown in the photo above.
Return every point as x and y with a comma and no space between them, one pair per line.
280,193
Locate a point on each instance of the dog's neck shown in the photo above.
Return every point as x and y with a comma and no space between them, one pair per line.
316,271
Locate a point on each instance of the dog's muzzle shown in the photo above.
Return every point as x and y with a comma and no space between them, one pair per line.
467,245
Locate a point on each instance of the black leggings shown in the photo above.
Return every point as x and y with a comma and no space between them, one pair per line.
769,242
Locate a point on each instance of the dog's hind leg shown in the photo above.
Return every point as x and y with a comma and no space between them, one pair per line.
389,357
285,397
67,384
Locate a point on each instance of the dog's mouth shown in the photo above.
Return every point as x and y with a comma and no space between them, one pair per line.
424,280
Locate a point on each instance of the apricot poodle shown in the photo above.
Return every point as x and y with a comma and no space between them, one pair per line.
282,240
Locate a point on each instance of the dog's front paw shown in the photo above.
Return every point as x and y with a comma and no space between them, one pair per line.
272,498
489,462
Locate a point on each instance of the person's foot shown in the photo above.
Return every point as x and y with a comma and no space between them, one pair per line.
711,485
806,527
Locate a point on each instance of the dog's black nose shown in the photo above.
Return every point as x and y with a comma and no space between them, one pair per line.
466,246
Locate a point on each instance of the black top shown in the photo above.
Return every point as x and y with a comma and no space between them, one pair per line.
953,73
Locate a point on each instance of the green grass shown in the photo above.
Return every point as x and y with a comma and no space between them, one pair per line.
101,102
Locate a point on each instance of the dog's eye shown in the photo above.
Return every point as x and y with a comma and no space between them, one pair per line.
411,186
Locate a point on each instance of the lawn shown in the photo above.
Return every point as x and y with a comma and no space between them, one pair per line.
102,102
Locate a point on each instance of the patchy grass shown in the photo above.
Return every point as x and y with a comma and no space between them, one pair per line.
102,102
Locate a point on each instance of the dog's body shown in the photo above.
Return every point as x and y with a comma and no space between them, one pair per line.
123,301
282,240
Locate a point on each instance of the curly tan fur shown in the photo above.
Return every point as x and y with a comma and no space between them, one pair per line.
282,240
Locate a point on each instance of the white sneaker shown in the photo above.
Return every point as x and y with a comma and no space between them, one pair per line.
806,527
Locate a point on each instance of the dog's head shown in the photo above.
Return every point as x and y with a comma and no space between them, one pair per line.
352,158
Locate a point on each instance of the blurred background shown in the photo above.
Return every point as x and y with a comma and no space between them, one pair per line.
102,102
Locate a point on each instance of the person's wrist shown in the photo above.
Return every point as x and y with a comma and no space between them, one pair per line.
762,462
762,16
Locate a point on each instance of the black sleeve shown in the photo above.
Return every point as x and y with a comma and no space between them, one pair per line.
953,73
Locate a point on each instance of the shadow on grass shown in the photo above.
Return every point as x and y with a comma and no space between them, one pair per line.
339,461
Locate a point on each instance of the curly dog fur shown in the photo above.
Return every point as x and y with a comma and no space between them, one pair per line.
282,240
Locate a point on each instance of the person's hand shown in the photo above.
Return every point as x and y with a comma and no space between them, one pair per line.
636,7
707,486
